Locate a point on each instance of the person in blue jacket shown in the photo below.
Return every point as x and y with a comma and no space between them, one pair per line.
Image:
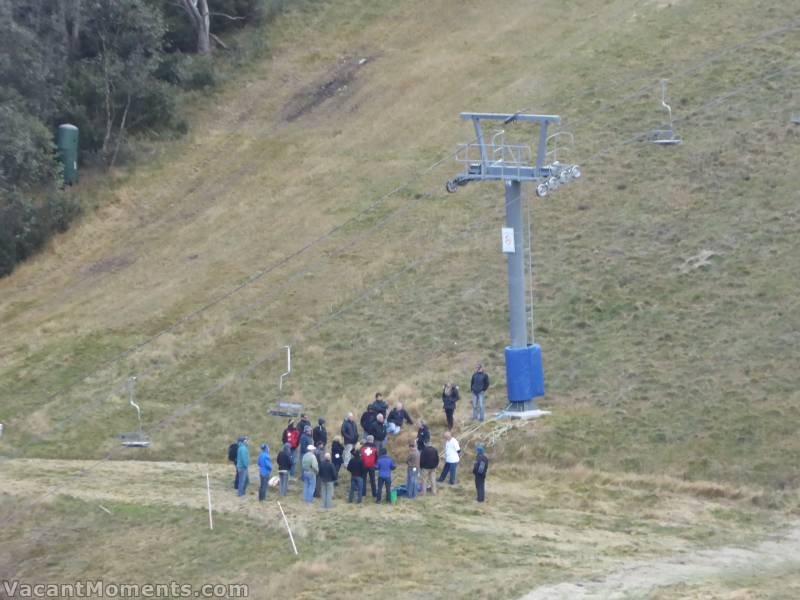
242,462
264,471
385,467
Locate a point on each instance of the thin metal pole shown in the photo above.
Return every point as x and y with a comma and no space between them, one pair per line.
286,521
208,490
530,268
516,267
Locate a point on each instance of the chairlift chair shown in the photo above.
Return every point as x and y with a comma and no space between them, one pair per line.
281,408
136,439
665,137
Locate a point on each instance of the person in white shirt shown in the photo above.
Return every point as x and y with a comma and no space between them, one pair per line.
451,457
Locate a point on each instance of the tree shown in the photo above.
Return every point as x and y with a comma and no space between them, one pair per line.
201,22
123,43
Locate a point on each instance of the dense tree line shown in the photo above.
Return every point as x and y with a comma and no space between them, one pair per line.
113,68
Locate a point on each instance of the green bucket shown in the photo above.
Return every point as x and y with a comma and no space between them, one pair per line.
393,496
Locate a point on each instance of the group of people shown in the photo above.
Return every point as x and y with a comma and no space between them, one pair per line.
364,454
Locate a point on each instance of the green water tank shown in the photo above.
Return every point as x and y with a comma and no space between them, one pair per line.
67,142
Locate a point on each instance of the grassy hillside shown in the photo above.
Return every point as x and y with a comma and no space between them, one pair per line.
307,208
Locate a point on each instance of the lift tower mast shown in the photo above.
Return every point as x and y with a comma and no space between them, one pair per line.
513,164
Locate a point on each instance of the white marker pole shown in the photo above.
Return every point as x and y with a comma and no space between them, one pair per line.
291,537
208,489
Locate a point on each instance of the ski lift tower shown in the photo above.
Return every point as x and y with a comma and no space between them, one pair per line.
514,164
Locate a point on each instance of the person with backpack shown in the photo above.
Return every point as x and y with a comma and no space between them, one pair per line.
479,470
385,467
264,471
478,386
394,422
337,452
320,434
356,468
285,465
310,471
327,477
349,436
449,399
423,435
369,456
306,440
242,462
303,423
452,453
291,435
412,470
233,452
428,461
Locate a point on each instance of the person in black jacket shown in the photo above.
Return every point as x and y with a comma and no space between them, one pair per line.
368,418
356,468
327,478
379,405
396,417
478,386
320,434
378,432
303,423
423,435
349,436
449,399
479,470
285,461
337,452
428,461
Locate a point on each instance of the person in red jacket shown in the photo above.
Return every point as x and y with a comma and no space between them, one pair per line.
291,436
369,456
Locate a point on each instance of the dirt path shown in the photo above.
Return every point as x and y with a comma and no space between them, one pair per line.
637,579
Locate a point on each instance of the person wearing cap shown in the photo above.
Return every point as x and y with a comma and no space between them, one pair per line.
349,436
310,472
479,470
264,471
285,464
451,458
320,434
242,462
478,386
327,477
412,470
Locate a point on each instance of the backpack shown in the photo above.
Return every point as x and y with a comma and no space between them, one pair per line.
233,451
368,455
480,465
